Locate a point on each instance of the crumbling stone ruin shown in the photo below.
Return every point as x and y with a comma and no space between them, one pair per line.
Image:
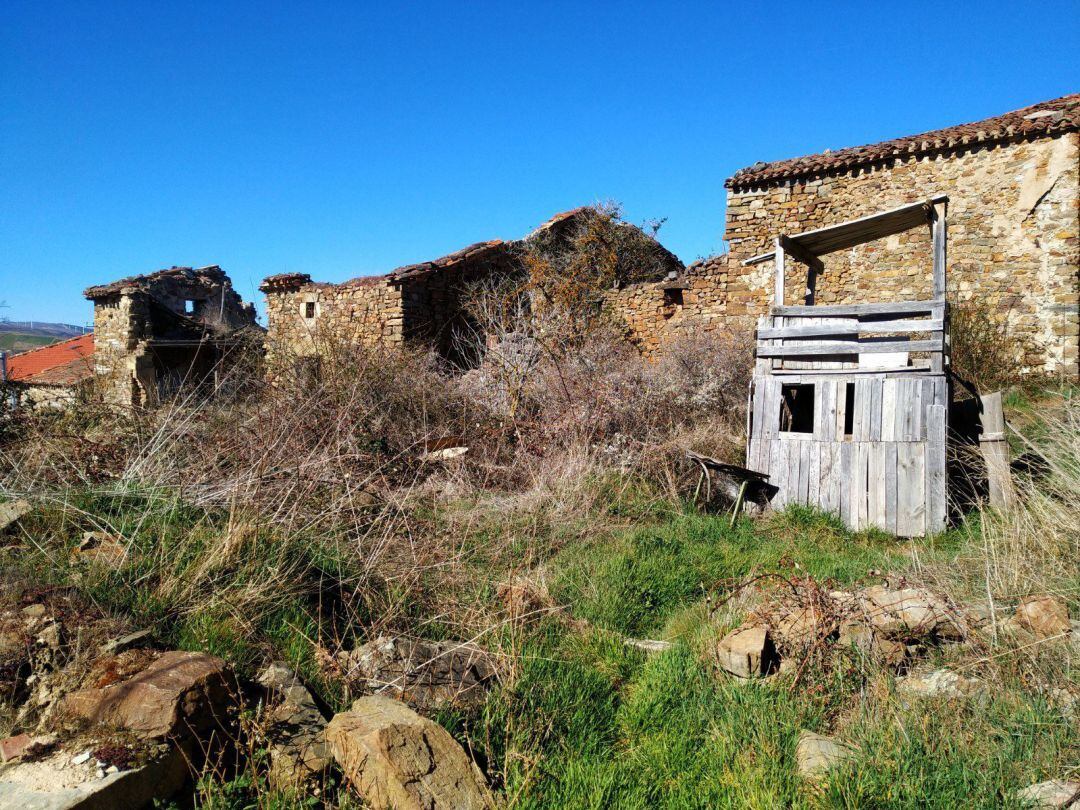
425,302
1013,185
154,333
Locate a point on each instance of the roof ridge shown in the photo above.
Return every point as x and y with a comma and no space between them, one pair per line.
1060,114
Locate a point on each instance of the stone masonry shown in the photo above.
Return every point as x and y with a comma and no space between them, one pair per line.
1012,184
155,332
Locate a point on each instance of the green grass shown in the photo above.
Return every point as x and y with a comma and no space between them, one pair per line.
17,341
589,722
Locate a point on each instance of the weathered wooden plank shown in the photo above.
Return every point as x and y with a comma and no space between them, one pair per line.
875,409
858,310
770,407
888,410
851,327
829,493
910,489
804,471
826,428
848,371
858,486
849,347
774,469
875,484
813,496
847,467
890,487
936,504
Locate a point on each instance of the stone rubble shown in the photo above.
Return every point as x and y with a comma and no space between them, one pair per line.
1050,795
297,744
425,674
398,760
747,652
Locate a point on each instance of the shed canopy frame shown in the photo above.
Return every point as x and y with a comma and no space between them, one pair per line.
808,247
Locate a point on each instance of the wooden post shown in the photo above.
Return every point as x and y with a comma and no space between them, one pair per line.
940,236
995,452
779,272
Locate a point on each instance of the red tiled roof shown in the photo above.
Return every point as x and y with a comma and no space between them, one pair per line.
63,363
1049,117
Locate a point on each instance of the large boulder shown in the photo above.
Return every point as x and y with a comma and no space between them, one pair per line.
940,684
296,731
1044,616
398,760
178,694
747,652
425,674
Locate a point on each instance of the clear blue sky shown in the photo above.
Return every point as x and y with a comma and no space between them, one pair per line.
348,139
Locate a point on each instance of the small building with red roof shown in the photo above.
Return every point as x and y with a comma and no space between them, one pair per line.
53,374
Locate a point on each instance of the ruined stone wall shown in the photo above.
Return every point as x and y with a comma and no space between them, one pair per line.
1013,237
656,313
365,312
121,323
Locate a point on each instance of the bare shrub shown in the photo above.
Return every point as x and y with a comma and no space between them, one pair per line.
985,350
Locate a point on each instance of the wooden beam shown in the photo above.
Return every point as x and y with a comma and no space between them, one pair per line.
940,237
860,310
779,252
853,328
851,347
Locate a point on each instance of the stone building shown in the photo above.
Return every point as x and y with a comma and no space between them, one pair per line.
157,332
423,303
50,376
1013,183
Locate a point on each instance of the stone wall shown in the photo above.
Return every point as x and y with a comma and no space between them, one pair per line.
312,316
1013,240
656,313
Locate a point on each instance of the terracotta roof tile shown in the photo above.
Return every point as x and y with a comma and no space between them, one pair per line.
63,363
474,251
1049,117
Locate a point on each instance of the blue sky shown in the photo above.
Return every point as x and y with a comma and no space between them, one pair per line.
348,139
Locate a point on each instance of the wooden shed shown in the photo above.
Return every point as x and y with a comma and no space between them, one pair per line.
849,403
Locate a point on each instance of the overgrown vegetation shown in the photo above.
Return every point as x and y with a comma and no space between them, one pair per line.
294,520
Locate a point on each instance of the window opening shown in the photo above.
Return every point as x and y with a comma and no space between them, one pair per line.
189,306
797,408
849,410
309,309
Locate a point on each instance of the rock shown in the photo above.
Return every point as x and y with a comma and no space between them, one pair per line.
649,645
14,747
12,512
799,628
398,760
816,754
1056,793
426,674
55,783
100,548
1045,616
33,612
180,692
79,759
908,614
140,638
296,733
941,683
747,652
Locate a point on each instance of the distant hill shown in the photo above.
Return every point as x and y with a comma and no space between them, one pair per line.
44,329
19,336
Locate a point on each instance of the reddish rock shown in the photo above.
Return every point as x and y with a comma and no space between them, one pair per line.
13,747
1045,616
178,693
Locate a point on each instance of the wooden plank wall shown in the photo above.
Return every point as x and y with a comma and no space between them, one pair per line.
889,472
